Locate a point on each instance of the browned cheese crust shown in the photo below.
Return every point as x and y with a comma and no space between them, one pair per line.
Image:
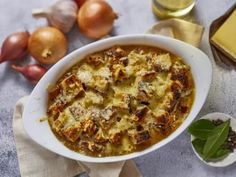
120,100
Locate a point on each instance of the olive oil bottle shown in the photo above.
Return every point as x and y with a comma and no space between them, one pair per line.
172,8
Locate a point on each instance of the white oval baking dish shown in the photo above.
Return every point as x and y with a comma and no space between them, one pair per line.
36,106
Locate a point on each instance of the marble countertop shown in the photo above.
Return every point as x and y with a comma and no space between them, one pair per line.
175,159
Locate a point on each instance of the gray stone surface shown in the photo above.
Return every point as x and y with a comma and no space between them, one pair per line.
175,159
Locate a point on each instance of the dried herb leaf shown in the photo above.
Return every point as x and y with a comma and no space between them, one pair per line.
198,145
217,137
201,128
220,153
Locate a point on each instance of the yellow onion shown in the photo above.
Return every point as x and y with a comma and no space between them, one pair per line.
96,18
47,45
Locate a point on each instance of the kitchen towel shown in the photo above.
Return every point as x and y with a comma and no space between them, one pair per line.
179,29
36,161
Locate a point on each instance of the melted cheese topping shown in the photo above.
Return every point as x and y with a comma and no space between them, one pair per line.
120,100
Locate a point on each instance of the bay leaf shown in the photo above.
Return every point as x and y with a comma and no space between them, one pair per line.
198,145
201,129
216,138
220,153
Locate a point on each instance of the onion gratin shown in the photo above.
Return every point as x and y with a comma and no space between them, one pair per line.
120,100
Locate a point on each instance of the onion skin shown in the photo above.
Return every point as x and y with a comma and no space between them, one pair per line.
79,2
14,46
31,72
96,18
47,45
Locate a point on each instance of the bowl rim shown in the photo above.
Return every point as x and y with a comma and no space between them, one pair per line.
149,38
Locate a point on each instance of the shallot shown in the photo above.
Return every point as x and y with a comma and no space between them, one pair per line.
31,72
96,18
47,45
14,46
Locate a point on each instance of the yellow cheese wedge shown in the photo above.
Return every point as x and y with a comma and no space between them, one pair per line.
225,36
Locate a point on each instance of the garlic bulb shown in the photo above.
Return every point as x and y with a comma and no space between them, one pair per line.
61,15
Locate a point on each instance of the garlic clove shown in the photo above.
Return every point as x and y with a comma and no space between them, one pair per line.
61,15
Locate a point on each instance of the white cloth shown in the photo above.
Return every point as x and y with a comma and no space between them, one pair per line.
179,29
35,161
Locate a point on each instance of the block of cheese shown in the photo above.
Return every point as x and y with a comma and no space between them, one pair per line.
225,37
